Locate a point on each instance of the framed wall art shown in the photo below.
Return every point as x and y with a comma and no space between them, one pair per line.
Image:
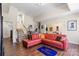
72,25
50,28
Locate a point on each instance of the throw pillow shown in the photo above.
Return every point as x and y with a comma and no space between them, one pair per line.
42,36
58,38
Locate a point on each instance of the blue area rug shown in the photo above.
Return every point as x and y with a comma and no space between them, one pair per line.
47,51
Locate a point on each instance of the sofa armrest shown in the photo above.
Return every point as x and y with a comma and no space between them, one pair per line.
65,43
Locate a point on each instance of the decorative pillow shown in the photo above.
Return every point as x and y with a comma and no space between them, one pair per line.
58,38
42,36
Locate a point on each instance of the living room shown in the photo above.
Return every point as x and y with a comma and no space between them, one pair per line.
48,20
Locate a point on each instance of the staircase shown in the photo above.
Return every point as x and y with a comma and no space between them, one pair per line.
20,35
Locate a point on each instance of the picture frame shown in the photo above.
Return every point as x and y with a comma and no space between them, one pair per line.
72,25
50,28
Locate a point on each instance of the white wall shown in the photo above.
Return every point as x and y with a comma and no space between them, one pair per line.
53,13
6,30
28,21
6,25
73,36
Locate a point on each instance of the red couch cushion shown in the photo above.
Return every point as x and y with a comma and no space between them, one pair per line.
53,36
57,44
49,36
29,43
35,36
53,43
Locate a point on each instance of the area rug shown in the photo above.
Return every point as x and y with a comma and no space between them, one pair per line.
47,51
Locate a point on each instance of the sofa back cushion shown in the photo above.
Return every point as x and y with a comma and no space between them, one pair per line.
53,36
35,36
49,36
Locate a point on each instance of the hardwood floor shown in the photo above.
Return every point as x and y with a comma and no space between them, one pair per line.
19,50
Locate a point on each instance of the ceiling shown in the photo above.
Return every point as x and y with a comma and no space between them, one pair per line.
41,9
36,9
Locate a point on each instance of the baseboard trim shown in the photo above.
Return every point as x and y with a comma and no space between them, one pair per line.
73,42
6,38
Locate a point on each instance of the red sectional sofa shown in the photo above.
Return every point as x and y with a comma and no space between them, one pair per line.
48,39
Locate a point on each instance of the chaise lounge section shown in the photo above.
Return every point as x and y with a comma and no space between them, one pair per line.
35,40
